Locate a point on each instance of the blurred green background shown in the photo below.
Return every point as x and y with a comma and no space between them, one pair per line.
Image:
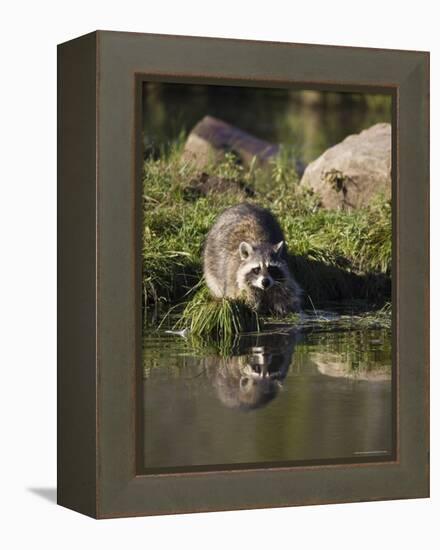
306,121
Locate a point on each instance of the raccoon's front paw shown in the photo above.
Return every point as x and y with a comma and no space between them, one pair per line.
285,307
288,309
255,301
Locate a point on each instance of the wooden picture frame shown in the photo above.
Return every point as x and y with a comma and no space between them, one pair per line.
99,271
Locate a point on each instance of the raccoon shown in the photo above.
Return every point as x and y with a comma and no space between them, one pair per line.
245,256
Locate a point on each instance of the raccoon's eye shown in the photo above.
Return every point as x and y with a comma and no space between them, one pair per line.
256,270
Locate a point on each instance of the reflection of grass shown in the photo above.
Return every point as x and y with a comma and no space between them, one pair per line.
334,254
355,351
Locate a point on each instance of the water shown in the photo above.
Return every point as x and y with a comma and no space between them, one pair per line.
314,395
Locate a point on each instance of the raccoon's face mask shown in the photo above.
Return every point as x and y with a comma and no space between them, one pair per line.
260,266
259,384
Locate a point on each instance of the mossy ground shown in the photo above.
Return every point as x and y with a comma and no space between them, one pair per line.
333,254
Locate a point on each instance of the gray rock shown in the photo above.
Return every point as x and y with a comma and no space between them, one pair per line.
211,138
351,173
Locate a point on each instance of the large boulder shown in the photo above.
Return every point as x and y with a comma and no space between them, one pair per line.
351,173
211,138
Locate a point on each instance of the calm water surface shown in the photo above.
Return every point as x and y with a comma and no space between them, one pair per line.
283,396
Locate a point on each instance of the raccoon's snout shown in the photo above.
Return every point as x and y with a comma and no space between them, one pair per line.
263,283
266,283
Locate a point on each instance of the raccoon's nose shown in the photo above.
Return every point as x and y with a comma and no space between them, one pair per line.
265,283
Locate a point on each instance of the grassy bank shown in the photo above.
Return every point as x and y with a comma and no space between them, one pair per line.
334,255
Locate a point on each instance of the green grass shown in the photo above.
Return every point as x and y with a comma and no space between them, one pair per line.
334,254
220,319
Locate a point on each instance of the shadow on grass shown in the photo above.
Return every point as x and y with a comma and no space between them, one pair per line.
324,283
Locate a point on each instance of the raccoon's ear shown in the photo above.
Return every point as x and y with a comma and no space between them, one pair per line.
278,248
245,250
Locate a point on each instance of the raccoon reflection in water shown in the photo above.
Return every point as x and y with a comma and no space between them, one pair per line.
253,375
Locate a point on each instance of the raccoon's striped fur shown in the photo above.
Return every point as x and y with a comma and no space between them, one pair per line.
245,256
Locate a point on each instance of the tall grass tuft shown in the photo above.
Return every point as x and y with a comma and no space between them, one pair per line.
218,319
